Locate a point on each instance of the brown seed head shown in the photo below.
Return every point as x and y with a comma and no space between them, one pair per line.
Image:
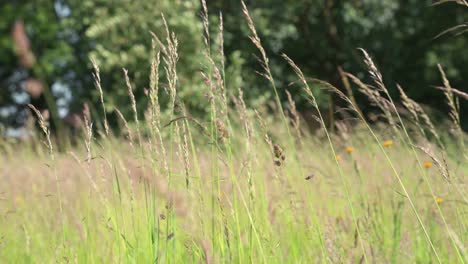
223,132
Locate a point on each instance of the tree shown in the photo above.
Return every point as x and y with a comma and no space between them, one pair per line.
321,35
36,59
117,35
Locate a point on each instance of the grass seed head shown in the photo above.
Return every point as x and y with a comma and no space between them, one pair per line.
279,155
223,133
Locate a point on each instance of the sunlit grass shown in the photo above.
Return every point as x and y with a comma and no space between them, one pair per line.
125,220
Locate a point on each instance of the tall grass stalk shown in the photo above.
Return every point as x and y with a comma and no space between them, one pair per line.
309,92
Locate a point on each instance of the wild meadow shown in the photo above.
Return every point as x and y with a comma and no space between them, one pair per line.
241,184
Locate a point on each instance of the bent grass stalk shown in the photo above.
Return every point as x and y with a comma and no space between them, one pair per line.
378,79
218,131
265,64
309,92
46,131
390,162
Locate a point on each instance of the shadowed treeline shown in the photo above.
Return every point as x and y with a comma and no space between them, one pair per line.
48,46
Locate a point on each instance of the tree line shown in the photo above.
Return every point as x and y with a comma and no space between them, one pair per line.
47,47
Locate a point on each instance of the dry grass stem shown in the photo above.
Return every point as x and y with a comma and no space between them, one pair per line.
97,83
417,112
127,127
296,121
45,129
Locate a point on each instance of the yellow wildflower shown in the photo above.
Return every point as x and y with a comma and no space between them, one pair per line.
338,157
439,200
427,164
387,143
349,150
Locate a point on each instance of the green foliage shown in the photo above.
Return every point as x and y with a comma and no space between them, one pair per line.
52,53
320,35
119,37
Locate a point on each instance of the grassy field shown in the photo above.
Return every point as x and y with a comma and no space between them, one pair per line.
233,204
241,185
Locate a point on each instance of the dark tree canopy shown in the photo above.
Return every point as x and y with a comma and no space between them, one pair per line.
47,45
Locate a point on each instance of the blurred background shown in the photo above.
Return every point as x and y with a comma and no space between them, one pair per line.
46,46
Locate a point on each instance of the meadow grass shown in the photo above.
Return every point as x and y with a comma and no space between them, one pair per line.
240,185
116,207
